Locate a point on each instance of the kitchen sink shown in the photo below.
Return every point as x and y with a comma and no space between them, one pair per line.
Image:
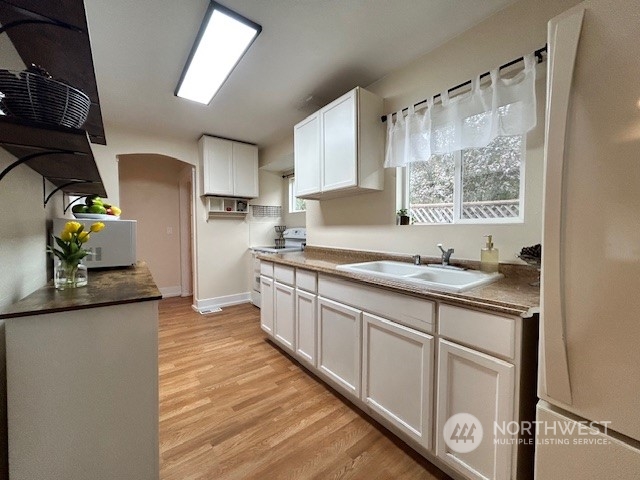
437,277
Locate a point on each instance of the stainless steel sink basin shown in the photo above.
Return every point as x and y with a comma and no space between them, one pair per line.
427,276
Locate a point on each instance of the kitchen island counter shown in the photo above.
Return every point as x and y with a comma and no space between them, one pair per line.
82,379
113,286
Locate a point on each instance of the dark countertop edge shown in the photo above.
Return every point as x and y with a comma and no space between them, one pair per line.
138,287
5,316
523,311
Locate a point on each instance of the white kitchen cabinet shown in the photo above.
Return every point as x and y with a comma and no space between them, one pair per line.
245,170
483,386
339,150
339,344
284,315
306,306
339,122
266,304
229,168
397,376
307,159
394,355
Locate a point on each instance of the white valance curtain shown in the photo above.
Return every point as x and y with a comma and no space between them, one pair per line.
505,107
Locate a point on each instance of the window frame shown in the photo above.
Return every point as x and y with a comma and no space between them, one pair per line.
403,187
292,196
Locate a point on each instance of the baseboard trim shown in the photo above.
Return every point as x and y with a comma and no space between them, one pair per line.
208,304
174,291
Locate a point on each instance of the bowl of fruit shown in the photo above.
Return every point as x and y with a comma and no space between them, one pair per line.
95,208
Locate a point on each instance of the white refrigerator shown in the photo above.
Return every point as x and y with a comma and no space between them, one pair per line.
588,416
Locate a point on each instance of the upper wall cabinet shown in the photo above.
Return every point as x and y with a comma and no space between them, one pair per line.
229,168
339,150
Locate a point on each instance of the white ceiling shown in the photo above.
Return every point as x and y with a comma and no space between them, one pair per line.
307,47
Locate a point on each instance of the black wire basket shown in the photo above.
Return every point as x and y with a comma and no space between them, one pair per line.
34,97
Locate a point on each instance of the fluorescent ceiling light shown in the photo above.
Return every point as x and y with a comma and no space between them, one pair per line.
223,39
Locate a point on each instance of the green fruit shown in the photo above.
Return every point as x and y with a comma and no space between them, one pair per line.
93,200
79,209
97,209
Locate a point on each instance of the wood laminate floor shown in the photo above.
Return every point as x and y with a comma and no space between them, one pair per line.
232,406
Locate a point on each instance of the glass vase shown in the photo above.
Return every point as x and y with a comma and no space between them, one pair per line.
69,275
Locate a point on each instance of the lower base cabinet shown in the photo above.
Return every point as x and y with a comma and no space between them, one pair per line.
284,321
339,344
397,376
306,335
478,384
266,304
389,355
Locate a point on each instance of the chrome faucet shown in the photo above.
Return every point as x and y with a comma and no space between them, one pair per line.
416,259
446,254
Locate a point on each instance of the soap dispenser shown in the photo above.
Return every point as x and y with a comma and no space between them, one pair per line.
489,256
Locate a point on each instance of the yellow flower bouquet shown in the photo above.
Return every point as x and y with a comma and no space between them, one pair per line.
70,253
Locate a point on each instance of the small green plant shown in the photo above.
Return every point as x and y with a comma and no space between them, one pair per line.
403,216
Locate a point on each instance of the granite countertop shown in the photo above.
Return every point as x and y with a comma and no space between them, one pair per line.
106,287
511,295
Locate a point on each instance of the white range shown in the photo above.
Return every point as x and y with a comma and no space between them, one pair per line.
294,241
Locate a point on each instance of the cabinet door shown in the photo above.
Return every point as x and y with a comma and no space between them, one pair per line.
217,166
483,386
307,156
266,304
339,143
284,315
245,170
397,378
339,344
306,305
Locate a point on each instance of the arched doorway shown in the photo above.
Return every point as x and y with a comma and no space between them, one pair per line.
157,191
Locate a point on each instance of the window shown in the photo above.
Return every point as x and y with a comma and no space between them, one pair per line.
295,204
476,185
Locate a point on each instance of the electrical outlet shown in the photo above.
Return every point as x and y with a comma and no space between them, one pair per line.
169,230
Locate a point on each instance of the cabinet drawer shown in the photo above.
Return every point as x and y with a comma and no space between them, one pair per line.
306,280
485,331
266,268
405,309
284,274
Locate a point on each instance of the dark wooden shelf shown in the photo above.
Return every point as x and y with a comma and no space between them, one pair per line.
65,53
54,36
79,188
16,132
21,138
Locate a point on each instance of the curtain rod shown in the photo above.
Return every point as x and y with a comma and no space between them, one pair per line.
538,53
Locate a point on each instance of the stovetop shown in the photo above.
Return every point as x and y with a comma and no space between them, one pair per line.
273,249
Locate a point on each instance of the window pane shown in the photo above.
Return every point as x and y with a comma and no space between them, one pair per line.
431,190
301,206
295,204
491,179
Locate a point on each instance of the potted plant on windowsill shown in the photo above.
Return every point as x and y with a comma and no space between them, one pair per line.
403,215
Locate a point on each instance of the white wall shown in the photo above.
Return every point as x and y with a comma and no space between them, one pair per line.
221,245
278,158
368,221
150,190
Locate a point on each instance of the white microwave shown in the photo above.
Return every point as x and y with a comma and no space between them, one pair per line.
114,246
